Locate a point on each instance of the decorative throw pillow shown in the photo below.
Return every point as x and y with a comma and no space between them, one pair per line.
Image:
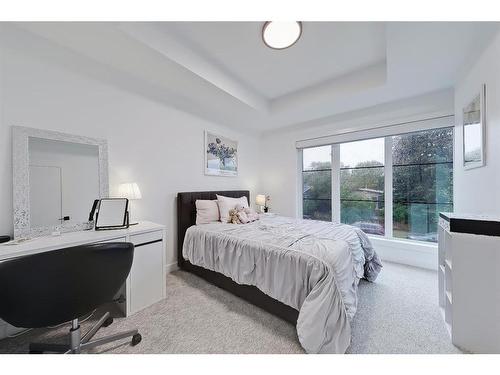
207,211
228,203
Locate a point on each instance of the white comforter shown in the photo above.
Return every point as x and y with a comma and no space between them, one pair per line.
312,266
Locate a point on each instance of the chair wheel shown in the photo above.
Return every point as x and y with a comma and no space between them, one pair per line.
136,339
108,322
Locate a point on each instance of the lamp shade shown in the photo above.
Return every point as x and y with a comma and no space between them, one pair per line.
260,200
129,190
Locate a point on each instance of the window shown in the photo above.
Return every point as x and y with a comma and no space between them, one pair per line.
317,183
418,166
422,169
362,185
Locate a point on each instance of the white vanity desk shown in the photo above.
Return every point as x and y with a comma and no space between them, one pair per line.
146,282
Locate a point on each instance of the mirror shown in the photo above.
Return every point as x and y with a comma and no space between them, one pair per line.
64,180
112,213
57,176
474,131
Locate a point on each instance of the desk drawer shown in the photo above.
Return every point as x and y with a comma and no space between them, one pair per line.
140,239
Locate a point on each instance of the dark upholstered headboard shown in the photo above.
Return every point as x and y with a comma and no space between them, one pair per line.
186,212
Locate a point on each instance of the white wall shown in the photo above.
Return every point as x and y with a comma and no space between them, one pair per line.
158,147
477,191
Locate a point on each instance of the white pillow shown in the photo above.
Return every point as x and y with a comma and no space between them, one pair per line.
207,211
227,203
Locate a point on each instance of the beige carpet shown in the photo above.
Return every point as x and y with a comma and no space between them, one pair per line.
396,314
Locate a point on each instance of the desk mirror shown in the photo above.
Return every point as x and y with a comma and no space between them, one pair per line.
56,178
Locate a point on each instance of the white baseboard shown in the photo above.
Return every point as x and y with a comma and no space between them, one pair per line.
172,267
412,253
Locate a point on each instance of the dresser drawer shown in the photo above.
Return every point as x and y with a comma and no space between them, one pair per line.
140,239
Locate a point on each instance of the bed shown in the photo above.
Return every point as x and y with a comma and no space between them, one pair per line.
304,271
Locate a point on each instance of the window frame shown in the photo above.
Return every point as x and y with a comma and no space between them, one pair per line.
388,181
300,181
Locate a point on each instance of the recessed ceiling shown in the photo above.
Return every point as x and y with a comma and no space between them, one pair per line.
325,50
223,72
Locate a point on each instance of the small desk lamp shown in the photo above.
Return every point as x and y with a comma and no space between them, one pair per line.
131,191
261,200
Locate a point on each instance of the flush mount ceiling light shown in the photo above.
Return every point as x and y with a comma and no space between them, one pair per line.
281,35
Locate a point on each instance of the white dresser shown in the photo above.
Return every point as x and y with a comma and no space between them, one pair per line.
469,280
146,282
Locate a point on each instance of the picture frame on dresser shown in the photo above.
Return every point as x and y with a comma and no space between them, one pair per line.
474,131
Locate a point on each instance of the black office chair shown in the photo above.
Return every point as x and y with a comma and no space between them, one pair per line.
59,286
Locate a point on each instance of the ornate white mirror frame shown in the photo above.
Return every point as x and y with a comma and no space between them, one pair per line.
21,183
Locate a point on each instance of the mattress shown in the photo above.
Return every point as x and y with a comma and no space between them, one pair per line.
310,265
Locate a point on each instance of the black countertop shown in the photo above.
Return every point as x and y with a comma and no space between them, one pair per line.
472,224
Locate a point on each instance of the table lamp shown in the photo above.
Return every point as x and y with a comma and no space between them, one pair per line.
261,200
131,191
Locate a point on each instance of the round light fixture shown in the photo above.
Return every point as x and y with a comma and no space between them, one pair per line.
281,35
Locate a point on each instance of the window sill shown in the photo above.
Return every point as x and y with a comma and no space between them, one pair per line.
404,242
413,253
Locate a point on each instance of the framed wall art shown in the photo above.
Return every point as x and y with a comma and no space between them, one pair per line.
221,155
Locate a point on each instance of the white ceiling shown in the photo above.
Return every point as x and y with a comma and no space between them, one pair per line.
326,50
223,72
